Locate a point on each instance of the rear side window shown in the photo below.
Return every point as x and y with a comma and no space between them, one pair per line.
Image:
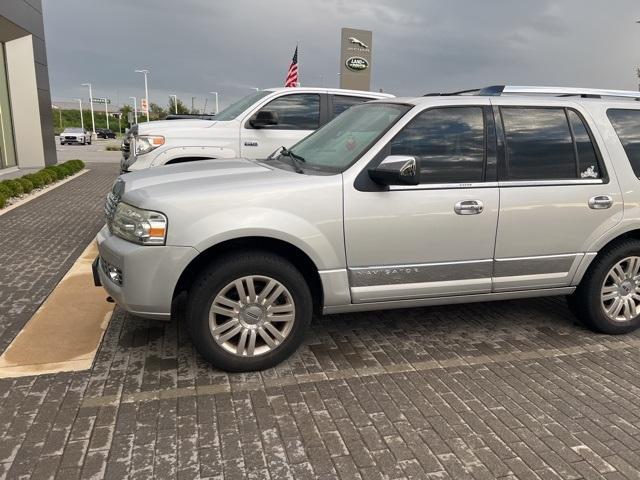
342,102
547,144
448,143
627,126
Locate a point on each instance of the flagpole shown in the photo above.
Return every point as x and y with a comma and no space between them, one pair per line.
298,50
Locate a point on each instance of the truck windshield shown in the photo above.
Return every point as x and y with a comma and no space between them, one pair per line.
337,145
235,109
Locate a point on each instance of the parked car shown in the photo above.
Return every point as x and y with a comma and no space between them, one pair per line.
395,203
105,133
253,127
75,135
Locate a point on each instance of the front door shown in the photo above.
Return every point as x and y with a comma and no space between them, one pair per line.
297,116
437,238
556,195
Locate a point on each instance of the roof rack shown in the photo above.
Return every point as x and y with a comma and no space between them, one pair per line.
497,90
450,94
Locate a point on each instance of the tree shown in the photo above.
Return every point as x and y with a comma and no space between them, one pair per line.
156,112
182,109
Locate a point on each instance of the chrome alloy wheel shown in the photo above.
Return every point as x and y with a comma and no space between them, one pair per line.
620,293
252,316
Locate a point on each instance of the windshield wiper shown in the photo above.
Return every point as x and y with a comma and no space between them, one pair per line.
296,159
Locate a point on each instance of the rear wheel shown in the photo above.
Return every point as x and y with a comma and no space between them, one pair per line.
608,298
249,311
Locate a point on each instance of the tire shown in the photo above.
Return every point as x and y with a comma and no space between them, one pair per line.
588,302
218,282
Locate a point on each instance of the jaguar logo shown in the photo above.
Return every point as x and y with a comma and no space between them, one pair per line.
360,43
357,64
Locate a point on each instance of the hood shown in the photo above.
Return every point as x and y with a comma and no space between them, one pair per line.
184,182
161,126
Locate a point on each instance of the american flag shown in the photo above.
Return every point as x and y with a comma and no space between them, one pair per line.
292,76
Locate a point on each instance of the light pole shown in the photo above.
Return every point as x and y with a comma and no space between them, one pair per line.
175,103
146,89
79,100
215,94
93,120
135,108
256,89
106,111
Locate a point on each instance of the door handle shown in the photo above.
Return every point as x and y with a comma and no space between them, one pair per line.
600,202
469,207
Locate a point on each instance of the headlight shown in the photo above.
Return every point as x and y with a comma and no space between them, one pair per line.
146,143
140,226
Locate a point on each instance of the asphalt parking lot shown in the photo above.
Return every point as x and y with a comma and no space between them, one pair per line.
505,390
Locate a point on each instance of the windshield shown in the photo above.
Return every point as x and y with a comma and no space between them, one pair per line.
73,130
337,145
235,109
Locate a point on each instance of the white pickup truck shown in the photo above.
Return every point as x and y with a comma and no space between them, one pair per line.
253,127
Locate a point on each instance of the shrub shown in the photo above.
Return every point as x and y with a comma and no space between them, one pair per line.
5,191
14,186
27,186
3,201
35,179
55,171
46,176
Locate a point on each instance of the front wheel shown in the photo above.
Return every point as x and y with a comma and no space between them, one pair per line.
249,311
608,298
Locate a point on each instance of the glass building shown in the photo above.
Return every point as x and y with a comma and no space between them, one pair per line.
26,125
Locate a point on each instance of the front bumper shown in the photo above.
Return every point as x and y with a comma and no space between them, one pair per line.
150,274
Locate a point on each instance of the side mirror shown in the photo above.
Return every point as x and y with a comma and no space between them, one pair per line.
264,118
396,170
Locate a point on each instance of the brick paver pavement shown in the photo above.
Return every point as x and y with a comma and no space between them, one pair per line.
497,390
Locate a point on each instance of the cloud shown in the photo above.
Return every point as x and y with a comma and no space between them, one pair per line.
196,46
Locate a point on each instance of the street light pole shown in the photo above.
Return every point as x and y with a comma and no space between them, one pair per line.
175,103
135,108
93,120
146,89
81,117
215,94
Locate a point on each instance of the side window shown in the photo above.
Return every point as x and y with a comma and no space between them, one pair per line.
538,143
448,143
587,159
342,102
295,112
627,125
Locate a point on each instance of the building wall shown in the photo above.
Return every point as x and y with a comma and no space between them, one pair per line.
22,31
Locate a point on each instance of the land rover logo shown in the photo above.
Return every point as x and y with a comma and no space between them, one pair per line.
357,64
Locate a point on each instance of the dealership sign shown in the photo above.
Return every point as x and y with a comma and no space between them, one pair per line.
100,100
356,64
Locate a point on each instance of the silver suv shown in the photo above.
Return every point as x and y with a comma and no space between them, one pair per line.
501,193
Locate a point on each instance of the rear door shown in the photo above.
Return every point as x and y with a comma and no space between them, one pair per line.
557,193
339,103
298,115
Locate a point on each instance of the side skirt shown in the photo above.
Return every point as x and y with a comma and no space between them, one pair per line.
425,302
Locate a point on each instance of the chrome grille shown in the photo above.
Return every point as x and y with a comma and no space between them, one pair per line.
110,207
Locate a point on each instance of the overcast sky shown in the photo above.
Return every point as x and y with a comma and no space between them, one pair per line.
192,47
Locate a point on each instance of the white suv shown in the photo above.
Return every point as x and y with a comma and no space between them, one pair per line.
253,127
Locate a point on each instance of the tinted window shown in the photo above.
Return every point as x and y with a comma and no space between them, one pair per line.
539,144
296,112
342,102
587,158
627,126
448,144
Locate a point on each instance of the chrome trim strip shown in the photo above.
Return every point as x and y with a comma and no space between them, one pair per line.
386,275
390,292
451,300
542,265
549,183
444,186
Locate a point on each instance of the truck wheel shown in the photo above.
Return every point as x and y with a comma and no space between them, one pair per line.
248,311
608,298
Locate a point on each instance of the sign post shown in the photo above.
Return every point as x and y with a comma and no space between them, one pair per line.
355,59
